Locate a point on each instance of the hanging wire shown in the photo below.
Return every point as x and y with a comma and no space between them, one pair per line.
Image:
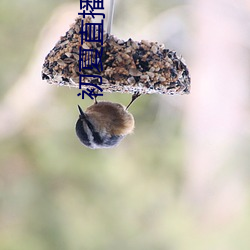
110,15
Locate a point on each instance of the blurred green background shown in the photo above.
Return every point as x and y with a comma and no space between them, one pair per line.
181,181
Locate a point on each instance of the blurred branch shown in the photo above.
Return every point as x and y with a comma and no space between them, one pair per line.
216,111
29,92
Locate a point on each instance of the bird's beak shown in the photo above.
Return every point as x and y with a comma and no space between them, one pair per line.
82,115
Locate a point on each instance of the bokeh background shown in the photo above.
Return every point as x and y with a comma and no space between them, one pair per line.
180,182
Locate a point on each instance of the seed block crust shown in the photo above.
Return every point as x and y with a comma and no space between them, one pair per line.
128,66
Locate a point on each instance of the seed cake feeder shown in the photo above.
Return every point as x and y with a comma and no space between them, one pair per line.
128,66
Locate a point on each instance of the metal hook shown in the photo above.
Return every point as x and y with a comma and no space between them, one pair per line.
110,16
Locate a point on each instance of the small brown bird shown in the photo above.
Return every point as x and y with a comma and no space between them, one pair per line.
104,124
